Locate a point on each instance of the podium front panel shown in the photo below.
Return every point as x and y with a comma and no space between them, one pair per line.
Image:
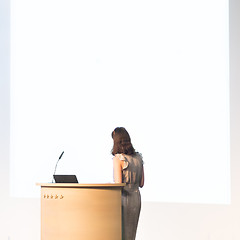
88,213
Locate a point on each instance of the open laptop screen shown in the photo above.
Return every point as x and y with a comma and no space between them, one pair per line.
65,178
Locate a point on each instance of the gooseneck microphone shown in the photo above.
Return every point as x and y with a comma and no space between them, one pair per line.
61,155
57,164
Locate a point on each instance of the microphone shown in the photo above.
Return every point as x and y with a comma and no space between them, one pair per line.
61,155
57,164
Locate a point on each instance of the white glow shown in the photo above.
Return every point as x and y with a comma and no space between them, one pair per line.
159,68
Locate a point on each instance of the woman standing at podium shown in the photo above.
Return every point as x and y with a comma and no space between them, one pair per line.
128,168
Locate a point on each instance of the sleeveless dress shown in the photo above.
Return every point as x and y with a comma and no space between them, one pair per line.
131,198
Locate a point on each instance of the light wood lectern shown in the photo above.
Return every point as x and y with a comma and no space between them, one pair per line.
71,211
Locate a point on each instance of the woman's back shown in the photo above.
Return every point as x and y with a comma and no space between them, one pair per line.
132,168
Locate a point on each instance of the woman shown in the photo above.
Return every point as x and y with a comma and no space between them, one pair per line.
128,168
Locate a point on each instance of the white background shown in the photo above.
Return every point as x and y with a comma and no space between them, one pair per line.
79,69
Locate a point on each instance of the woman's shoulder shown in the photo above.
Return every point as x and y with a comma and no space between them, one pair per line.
139,156
123,160
125,157
120,156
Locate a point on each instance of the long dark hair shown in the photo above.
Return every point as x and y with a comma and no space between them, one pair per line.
122,142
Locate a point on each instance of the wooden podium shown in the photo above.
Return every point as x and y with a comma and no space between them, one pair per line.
71,211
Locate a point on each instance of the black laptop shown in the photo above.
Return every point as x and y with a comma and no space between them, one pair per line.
65,178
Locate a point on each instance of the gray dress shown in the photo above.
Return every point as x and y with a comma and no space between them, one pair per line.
131,198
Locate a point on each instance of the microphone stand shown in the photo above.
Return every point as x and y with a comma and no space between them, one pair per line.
56,165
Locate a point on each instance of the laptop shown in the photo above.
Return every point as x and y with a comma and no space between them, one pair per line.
65,178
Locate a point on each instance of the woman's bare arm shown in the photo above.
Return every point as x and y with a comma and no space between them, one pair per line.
142,179
117,170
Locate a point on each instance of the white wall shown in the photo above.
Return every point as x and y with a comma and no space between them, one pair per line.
20,218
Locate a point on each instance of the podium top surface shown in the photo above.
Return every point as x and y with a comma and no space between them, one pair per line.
82,185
